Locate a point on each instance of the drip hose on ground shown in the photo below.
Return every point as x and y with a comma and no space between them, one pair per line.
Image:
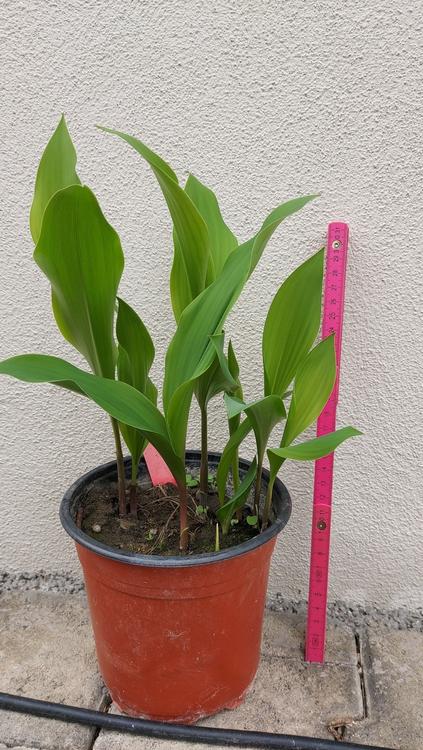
164,731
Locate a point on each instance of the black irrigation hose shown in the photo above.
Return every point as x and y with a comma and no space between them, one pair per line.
179,732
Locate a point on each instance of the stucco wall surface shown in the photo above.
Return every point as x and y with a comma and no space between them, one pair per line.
263,100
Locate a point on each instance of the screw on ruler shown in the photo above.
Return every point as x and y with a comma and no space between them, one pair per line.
333,313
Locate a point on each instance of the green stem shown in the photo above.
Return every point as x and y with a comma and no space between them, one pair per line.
258,483
120,469
235,471
233,425
133,504
204,463
217,539
267,506
183,517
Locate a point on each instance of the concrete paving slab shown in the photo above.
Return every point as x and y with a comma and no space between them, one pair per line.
283,635
288,696
393,672
47,652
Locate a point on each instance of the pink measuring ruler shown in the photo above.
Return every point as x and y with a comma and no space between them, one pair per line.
157,468
333,312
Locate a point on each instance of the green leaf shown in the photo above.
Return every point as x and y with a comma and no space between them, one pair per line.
134,338
81,255
292,324
234,421
192,481
275,463
55,172
217,378
135,357
234,405
311,450
252,520
226,511
234,367
191,240
228,456
263,415
221,239
312,387
121,401
190,352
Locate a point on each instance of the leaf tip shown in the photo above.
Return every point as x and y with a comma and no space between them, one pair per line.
104,128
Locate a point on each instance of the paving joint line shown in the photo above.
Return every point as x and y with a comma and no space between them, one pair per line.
104,707
338,728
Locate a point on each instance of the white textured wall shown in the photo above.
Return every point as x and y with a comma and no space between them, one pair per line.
263,100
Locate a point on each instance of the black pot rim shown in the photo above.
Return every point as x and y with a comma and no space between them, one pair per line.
281,506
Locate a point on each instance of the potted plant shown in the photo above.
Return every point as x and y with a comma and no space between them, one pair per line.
176,576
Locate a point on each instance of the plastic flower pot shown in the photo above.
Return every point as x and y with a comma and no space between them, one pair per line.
177,638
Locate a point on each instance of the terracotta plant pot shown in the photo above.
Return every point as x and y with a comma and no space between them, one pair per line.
177,638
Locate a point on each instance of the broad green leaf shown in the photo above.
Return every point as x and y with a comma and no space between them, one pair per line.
228,456
292,324
222,241
263,414
121,401
275,463
134,338
81,255
190,352
273,220
218,377
192,249
312,387
237,392
234,405
226,512
55,172
311,450
135,357
234,368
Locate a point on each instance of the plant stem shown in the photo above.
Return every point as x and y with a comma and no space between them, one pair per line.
183,517
267,506
133,505
235,467
235,482
235,471
217,539
120,468
204,464
258,483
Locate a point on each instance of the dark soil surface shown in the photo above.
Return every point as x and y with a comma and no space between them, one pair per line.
155,530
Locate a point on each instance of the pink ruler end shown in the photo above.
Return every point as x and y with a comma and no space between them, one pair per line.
157,468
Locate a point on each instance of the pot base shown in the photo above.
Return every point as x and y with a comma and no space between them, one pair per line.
188,718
